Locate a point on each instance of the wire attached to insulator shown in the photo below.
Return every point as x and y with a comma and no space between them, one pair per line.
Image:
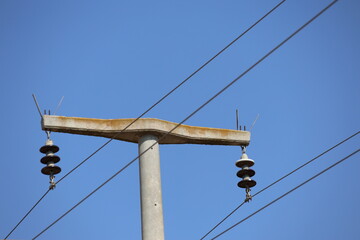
248,197
52,182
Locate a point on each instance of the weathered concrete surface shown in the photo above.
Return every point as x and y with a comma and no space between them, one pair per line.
152,221
184,134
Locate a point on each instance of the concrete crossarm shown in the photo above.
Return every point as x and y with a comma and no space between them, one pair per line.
109,127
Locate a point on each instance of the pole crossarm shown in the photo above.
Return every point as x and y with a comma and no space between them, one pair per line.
108,128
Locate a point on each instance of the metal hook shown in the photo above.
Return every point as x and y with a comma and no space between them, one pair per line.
48,134
243,149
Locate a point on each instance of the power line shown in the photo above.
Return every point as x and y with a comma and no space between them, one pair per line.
285,194
27,214
233,211
155,104
280,179
193,113
178,86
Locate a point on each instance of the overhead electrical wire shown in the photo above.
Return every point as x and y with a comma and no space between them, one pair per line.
285,194
193,113
155,104
27,214
280,179
174,89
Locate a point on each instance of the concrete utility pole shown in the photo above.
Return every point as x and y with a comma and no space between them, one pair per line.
146,132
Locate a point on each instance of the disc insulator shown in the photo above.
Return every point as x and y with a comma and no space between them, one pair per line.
245,172
49,148
241,163
249,183
244,161
48,170
50,158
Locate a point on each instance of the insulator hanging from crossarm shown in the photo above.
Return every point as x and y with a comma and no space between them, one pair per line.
49,147
244,161
50,170
245,173
50,159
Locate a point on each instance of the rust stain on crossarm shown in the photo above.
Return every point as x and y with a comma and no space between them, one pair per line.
108,128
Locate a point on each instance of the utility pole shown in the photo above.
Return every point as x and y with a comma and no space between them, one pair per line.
147,132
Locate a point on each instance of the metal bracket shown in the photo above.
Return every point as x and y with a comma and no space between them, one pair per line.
248,195
52,182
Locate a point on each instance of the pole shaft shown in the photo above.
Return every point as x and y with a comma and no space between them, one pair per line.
152,222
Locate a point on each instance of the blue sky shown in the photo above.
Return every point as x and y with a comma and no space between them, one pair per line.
114,59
